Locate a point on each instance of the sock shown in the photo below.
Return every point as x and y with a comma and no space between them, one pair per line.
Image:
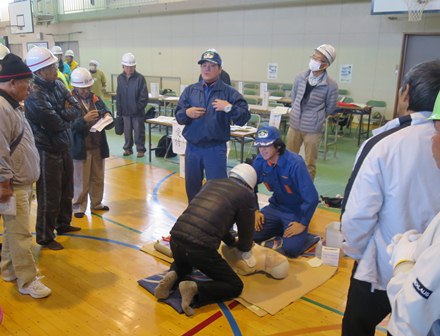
162,291
188,289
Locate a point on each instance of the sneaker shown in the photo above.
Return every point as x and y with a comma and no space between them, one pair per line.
36,289
140,154
273,243
53,245
68,228
127,152
8,275
101,207
79,214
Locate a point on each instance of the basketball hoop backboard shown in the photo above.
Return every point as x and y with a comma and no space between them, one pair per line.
399,7
20,17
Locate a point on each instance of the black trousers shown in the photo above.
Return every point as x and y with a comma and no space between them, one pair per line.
225,284
54,194
365,309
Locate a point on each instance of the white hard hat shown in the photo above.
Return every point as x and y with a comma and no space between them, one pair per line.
328,51
56,50
128,59
69,53
95,62
81,78
39,57
4,50
246,173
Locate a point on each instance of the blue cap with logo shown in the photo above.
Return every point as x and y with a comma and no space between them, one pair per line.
211,56
266,136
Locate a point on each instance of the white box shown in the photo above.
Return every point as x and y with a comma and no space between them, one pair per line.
330,256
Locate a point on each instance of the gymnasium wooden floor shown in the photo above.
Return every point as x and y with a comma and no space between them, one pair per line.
94,279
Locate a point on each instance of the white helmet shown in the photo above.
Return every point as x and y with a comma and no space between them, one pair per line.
56,50
246,173
69,53
81,78
4,50
328,51
39,57
94,62
128,59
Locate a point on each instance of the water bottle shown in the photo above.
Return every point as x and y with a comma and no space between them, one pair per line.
318,249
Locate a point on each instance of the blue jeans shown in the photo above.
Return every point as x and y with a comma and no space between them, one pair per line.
211,160
275,223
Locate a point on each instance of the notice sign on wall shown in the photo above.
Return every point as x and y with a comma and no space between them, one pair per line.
272,70
345,73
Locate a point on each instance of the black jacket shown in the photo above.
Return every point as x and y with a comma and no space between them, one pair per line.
211,214
50,108
81,129
131,95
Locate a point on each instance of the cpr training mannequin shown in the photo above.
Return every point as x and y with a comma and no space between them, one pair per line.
265,260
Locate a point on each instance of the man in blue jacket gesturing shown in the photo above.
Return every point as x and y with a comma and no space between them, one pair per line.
206,109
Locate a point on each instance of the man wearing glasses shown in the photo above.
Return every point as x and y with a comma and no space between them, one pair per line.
314,96
207,109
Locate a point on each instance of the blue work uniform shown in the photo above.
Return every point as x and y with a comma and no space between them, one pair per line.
207,136
294,198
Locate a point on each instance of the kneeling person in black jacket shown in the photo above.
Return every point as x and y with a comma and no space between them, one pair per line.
196,237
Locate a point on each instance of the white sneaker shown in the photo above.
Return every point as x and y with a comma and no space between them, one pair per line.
36,289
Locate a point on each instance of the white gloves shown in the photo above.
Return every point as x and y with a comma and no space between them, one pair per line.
402,247
248,258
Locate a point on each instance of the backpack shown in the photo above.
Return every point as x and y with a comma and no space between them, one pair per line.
151,113
162,146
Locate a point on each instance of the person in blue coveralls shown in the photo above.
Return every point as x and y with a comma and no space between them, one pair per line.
207,109
283,224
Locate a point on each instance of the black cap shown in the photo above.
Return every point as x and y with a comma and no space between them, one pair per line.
13,67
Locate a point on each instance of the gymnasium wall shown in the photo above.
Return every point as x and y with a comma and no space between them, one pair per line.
249,39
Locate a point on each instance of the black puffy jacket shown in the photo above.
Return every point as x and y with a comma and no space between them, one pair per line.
211,214
50,108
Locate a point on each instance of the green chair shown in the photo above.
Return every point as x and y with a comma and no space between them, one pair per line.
377,112
250,86
252,101
273,103
273,87
248,92
343,92
277,93
286,87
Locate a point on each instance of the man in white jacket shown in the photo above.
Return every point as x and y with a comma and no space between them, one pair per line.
414,289
393,171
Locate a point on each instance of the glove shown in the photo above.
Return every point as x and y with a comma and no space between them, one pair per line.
402,247
248,258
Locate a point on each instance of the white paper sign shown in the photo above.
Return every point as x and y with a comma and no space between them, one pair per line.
240,87
272,70
182,87
330,256
265,100
154,90
345,73
179,142
276,114
263,89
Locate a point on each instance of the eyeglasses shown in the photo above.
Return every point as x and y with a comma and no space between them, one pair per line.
208,66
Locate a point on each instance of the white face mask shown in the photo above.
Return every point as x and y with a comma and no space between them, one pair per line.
314,65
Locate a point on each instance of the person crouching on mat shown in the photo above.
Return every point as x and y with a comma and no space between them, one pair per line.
283,224
196,237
